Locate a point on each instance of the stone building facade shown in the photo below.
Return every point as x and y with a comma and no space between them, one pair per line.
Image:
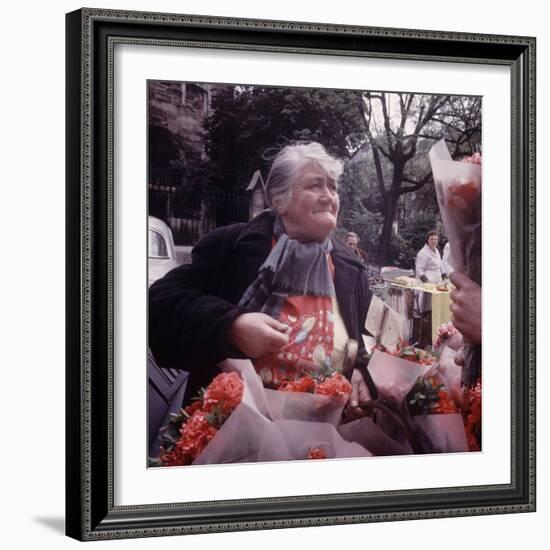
176,113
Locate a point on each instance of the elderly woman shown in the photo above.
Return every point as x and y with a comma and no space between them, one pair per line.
280,290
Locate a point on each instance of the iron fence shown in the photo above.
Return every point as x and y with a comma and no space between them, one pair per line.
191,211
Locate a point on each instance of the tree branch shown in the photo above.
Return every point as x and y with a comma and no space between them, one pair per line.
359,149
405,110
416,184
366,108
387,127
380,175
425,136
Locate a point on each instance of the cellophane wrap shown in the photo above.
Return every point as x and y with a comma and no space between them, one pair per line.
458,188
395,377
445,431
273,425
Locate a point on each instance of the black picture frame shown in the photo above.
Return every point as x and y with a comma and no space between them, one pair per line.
90,510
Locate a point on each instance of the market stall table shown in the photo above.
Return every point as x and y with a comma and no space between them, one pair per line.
402,302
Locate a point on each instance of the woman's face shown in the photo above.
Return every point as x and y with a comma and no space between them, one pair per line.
432,241
313,208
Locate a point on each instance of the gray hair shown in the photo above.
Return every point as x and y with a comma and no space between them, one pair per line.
289,161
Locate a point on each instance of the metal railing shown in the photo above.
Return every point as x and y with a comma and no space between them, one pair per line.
193,211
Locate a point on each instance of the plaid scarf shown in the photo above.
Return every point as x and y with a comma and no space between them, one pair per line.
291,269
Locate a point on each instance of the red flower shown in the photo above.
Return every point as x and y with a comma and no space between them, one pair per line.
225,391
444,405
221,397
195,435
317,452
175,458
472,416
463,194
335,386
193,407
306,384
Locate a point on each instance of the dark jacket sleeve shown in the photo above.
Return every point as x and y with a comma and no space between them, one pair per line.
188,320
364,296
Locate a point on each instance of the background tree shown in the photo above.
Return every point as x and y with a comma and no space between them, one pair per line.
387,193
359,211
400,129
250,124
397,127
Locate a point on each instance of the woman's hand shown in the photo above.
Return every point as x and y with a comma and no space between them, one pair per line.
255,334
466,307
359,394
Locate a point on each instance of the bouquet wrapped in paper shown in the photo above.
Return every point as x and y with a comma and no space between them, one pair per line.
430,418
458,188
236,419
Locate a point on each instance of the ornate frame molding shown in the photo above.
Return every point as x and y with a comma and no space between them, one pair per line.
91,36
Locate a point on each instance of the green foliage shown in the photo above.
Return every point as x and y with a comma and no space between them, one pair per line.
170,433
424,396
401,252
355,191
248,126
416,230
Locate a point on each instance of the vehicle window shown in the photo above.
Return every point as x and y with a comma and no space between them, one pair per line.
157,245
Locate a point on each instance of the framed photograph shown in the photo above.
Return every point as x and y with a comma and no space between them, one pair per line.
284,242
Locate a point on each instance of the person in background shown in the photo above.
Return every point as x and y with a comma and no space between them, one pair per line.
447,268
428,266
352,242
428,269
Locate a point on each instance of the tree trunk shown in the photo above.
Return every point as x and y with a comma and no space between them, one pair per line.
385,238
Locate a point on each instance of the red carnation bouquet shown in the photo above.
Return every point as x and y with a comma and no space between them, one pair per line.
317,396
236,419
333,385
188,433
425,395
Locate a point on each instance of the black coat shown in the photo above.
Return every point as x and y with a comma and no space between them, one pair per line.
192,306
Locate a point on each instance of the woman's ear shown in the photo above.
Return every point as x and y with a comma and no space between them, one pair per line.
279,206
